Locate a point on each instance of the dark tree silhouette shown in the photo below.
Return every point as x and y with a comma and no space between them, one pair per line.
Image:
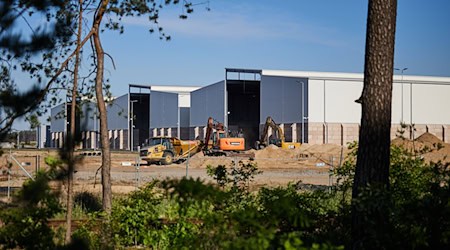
372,167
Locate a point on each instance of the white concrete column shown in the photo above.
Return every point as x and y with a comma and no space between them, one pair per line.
204,132
114,139
61,141
161,131
155,132
93,139
169,132
87,137
294,132
121,139
52,140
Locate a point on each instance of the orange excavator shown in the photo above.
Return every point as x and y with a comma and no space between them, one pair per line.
217,142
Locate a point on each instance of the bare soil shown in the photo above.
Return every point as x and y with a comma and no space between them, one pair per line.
310,164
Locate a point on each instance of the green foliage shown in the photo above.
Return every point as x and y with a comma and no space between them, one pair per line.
26,222
346,173
219,173
95,233
237,177
187,213
88,202
416,203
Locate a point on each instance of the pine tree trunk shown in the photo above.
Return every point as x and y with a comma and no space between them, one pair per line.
71,138
372,167
104,137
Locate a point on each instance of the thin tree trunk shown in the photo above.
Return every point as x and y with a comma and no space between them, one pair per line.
372,167
104,138
71,137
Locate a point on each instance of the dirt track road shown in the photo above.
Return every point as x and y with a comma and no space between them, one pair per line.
126,179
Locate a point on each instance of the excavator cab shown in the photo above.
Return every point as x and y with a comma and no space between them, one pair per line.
217,141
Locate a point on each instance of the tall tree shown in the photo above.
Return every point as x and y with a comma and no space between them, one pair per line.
104,137
64,30
71,138
123,8
372,167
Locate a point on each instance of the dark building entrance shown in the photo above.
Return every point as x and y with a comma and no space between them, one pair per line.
139,108
243,96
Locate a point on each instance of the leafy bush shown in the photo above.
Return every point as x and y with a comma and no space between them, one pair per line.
25,223
416,202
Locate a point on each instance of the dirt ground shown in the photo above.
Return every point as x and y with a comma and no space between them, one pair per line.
310,164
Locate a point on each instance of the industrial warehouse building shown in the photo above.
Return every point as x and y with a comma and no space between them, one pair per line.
149,110
311,107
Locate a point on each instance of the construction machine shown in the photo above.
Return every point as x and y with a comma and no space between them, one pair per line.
278,141
218,143
167,150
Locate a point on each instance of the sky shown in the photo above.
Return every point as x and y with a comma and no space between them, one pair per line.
284,35
304,35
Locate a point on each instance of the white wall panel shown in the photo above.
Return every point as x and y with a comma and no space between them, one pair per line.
340,102
316,99
431,104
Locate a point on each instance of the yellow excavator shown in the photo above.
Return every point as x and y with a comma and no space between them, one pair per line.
279,140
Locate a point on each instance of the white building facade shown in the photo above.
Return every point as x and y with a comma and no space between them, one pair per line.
334,116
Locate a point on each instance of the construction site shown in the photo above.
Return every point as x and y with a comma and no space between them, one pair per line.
295,125
308,164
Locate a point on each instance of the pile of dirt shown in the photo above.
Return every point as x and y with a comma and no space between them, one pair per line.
430,147
272,151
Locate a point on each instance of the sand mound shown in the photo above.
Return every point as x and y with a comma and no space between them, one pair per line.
430,147
429,138
272,151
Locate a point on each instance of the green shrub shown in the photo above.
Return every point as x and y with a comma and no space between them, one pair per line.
25,221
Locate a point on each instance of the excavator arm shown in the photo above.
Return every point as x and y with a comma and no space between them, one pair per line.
209,131
271,123
221,142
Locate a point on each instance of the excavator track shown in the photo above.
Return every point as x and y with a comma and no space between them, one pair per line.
238,154
241,154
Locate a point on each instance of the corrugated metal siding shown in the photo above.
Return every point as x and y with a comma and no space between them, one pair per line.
163,110
118,113
281,98
184,117
88,117
208,102
58,118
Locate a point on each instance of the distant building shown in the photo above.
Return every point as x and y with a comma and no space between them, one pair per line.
316,107
310,107
149,110
43,136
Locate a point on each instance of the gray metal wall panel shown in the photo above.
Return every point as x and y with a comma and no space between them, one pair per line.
163,109
58,119
281,98
118,113
88,117
184,117
208,102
